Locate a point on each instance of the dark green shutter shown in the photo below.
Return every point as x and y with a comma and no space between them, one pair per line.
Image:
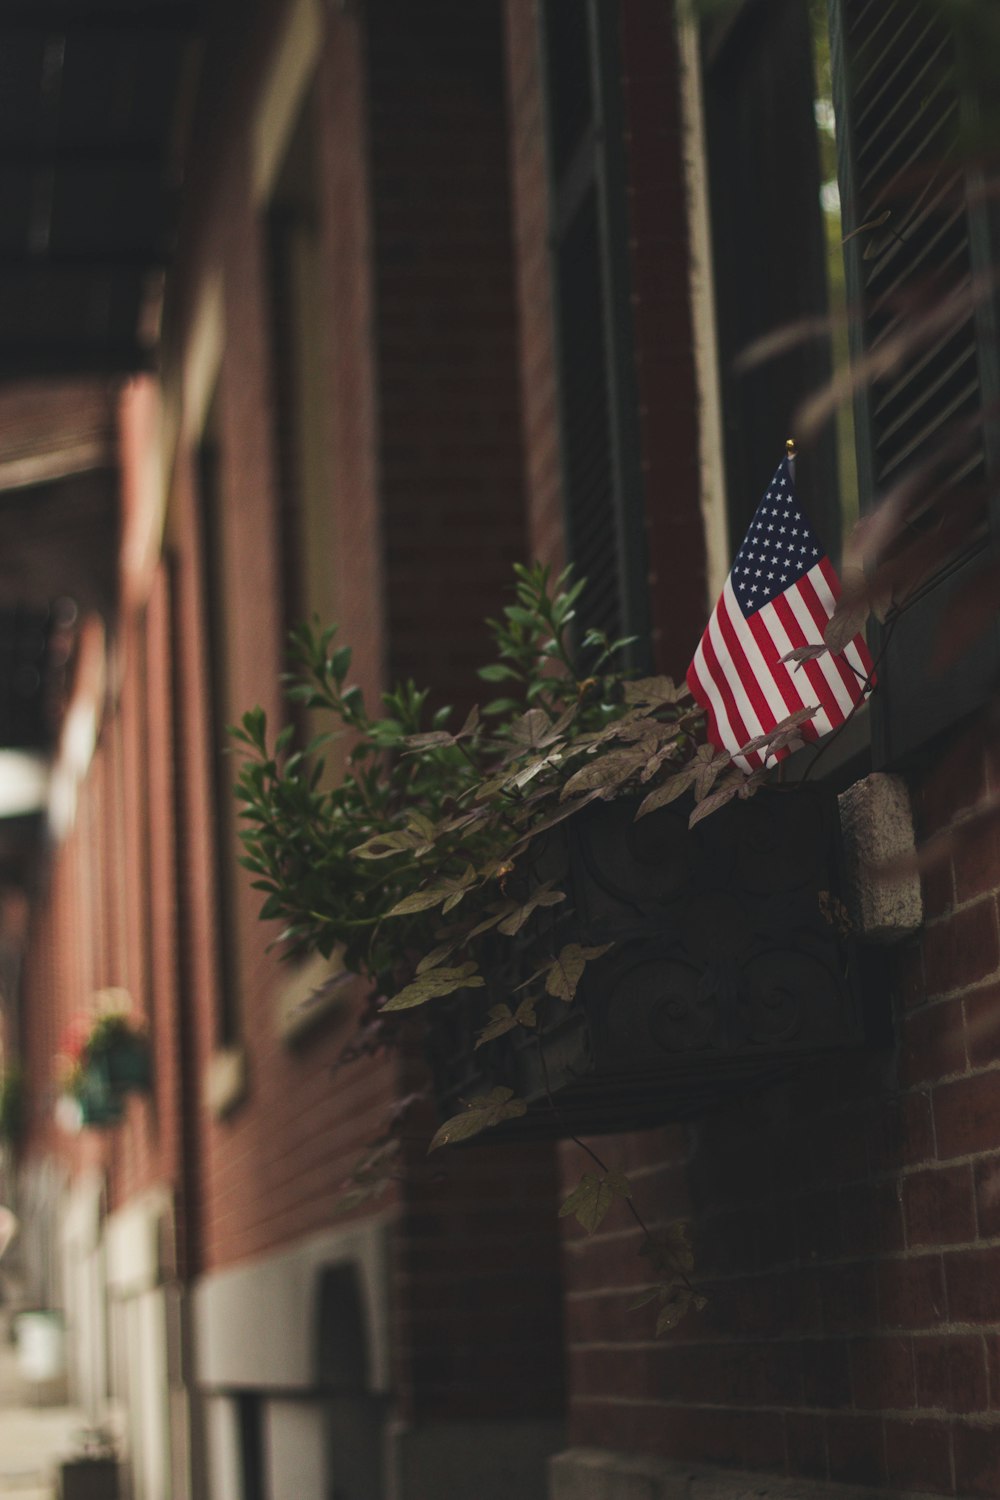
902,113
598,401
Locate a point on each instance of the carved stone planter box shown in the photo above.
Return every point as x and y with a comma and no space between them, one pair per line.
730,966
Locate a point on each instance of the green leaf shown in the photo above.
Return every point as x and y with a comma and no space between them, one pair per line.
433,984
438,955
544,896
480,1114
667,791
591,1201
501,1021
567,970
382,845
499,672
422,900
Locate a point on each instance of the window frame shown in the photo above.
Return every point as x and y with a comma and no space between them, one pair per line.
598,164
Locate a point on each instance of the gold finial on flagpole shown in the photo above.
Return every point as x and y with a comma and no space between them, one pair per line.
790,447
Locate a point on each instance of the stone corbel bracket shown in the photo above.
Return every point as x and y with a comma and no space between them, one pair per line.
882,886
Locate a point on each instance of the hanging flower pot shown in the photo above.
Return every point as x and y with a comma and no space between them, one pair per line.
105,1057
99,1105
124,1064
117,1046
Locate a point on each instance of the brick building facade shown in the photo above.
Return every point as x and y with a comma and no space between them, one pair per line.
453,286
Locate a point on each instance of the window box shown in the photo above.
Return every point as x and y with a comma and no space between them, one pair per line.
730,966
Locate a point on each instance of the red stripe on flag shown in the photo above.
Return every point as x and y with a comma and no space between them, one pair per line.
822,694
772,655
746,681
819,613
723,686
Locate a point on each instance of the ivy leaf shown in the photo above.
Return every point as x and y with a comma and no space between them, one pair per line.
560,815
481,1113
458,887
525,1013
655,690
656,760
567,970
675,1304
590,1202
668,791
803,654
438,955
605,773
397,841
532,731
496,916
714,801
501,1021
783,732
528,773
422,900
435,983
441,738
544,896
707,764
504,1020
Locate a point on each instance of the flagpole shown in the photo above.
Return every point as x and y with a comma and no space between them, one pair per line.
790,455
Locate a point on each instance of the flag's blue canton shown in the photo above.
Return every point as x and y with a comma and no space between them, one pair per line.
778,548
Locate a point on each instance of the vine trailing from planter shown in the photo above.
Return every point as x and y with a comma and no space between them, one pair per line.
420,858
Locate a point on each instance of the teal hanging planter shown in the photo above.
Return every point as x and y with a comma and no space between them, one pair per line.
100,1105
126,1065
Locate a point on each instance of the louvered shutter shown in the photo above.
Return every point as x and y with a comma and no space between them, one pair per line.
598,404
901,113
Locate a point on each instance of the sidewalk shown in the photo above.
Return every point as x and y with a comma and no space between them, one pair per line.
32,1438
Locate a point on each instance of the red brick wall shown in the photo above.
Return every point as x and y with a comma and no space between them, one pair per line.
846,1230
449,445
534,289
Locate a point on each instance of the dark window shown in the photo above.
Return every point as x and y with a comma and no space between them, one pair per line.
209,475
300,389
770,250
598,414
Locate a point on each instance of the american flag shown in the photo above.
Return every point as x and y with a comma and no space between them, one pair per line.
779,595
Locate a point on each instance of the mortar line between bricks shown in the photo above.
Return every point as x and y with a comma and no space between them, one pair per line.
867,1336
908,1414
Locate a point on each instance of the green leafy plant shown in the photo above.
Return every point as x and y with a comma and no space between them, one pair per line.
420,858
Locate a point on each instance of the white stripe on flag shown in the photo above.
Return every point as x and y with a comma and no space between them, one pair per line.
759,666
733,675
801,611
803,687
707,684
